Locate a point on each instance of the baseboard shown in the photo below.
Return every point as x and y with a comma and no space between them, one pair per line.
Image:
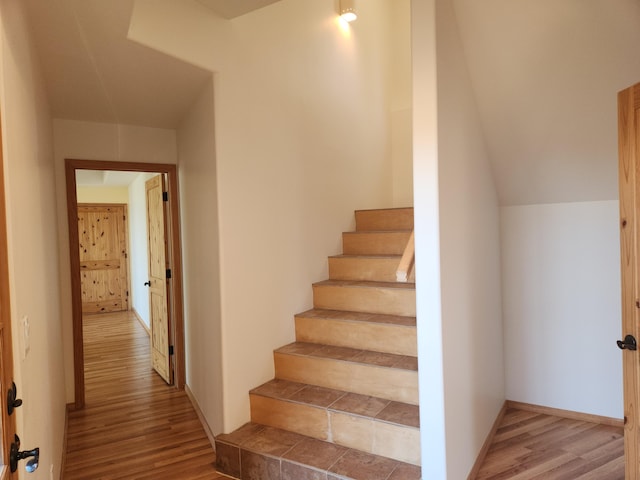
203,421
557,412
139,318
487,443
69,408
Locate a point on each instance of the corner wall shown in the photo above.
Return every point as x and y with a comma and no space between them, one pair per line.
201,257
470,258
33,248
427,237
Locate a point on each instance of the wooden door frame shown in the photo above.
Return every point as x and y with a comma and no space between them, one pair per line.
176,306
629,191
6,348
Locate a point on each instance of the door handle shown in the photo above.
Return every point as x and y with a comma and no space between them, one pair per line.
15,455
12,401
629,343
147,284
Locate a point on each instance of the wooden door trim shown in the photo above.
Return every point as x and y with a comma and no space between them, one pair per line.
6,375
177,305
628,167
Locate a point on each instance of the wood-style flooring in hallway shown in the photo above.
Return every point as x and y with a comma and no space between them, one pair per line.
531,445
134,426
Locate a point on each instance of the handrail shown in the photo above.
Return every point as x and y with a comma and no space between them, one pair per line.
407,261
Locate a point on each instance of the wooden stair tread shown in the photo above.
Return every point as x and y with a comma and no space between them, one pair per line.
346,316
366,284
256,448
383,410
353,355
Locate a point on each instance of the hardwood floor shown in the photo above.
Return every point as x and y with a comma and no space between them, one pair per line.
530,446
134,426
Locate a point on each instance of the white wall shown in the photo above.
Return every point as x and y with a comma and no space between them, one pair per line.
401,99
427,229
302,140
97,141
470,258
201,261
102,194
139,247
561,281
33,248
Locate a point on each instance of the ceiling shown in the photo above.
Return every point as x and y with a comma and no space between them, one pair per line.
105,178
545,74
235,8
94,73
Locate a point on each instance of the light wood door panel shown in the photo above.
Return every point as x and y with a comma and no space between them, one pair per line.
104,272
629,164
158,265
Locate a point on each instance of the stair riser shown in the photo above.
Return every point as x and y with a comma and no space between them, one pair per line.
365,434
364,268
386,219
388,383
379,438
374,243
389,301
398,339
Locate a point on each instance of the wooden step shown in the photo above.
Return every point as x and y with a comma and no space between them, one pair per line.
368,331
375,268
369,424
386,298
261,452
384,219
375,242
376,374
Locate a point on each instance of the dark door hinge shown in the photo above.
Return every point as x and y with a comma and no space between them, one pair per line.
165,196
168,273
170,349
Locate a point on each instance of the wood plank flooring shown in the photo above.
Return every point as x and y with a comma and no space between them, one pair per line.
134,426
531,446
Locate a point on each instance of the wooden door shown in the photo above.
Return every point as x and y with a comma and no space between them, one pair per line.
104,272
158,278
7,422
629,178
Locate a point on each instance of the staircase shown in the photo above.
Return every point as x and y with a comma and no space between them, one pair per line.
344,403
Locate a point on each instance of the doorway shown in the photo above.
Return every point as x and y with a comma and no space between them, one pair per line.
175,296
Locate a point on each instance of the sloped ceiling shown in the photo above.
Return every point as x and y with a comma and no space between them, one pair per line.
94,73
235,8
546,75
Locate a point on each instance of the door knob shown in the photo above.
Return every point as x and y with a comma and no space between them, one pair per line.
147,284
15,455
629,343
12,401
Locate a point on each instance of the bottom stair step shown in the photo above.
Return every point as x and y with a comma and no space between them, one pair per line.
258,452
369,424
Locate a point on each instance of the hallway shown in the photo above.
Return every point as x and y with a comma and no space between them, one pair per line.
134,426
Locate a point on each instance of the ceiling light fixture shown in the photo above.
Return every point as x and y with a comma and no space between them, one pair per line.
348,10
